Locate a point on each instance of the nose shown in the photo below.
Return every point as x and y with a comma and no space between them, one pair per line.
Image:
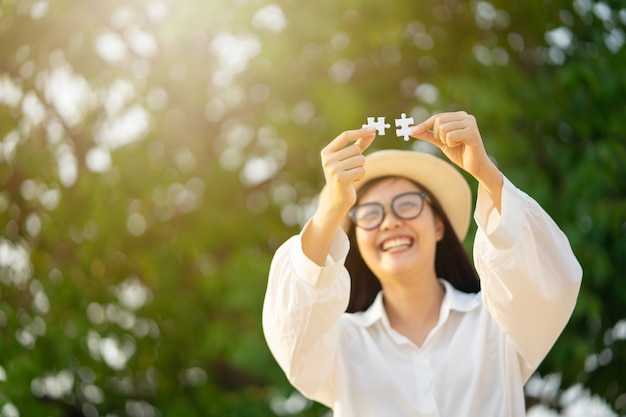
391,221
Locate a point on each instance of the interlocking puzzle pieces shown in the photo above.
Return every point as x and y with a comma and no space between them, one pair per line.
403,124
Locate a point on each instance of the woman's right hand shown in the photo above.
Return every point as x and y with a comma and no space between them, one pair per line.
343,165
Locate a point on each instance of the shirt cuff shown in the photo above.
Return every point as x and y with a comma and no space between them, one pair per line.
503,229
315,275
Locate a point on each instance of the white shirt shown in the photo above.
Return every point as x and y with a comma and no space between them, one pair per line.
475,360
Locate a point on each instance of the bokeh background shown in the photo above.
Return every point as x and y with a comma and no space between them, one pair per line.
154,154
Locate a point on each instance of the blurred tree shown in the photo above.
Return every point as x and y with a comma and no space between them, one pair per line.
154,154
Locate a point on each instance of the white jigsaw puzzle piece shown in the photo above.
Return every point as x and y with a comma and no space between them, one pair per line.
404,123
379,124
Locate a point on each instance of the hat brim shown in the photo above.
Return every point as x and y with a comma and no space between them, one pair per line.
442,179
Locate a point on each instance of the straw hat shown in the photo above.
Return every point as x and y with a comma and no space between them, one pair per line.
442,179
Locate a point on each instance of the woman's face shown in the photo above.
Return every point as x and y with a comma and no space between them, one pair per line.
399,247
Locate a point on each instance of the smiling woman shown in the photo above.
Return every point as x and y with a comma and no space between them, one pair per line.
178,142
376,325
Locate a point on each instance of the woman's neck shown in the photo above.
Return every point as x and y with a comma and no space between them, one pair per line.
413,310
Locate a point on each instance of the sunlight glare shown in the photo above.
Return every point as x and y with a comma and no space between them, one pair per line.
270,18
98,160
131,126
10,93
142,43
15,259
111,47
132,294
233,53
157,11
68,93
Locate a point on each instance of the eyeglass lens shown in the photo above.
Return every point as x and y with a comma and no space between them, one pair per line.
405,206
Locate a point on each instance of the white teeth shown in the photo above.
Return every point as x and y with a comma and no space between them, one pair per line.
396,243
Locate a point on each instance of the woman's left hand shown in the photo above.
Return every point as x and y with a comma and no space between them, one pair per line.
458,137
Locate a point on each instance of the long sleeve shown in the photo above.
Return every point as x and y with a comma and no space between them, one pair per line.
302,307
529,275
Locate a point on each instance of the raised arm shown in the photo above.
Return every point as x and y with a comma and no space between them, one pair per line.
342,161
309,287
529,275
458,137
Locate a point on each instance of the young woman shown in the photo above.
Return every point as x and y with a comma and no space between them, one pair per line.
392,320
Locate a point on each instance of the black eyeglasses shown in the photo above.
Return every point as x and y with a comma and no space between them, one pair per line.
405,206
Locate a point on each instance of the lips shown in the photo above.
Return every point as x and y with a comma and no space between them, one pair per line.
396,243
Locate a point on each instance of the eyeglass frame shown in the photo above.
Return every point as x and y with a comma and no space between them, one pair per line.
352,213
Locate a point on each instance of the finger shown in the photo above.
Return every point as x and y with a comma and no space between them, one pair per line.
366,141
453,138
343,160
425,135
445,129
450,125
429,124
425,131
437,127
345,153
425,125
350,136
345,171
460,136
428,130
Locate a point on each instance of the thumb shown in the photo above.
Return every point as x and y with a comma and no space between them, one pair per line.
421,132
365,142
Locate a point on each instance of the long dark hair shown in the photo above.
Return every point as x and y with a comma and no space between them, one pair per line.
452,262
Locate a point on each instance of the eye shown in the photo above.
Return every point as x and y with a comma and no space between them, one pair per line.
368,212
408,206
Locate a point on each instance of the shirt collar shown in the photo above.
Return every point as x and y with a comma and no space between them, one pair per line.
452,300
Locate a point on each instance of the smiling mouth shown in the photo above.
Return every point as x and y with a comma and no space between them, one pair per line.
395,243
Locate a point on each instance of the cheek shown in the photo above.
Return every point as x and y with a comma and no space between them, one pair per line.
367,249
364,241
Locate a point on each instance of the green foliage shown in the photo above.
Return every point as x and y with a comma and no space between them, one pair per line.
154,154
